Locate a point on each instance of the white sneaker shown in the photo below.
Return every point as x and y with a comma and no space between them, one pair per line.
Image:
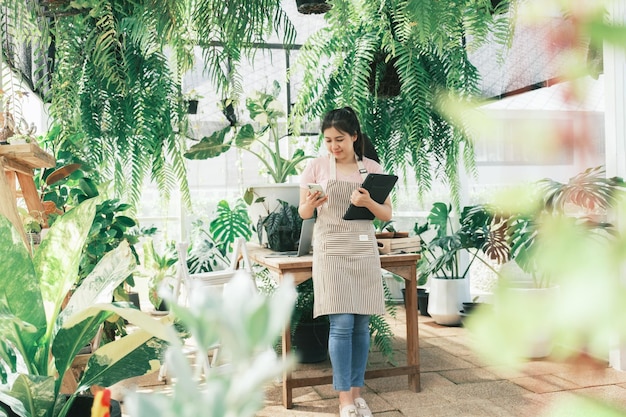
362,408
348,411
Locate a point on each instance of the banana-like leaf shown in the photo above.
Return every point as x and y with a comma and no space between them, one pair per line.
210,146
130,356
245,136
69,341
98,286
157,328
22,317
29,395
57,258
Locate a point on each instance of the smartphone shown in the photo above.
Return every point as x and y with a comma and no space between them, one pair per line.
316,187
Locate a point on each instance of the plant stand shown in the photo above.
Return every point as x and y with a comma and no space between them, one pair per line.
18,163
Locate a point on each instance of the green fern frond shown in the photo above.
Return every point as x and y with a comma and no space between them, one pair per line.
382,337
424,41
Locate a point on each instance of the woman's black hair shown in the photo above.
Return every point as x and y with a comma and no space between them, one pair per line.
346,120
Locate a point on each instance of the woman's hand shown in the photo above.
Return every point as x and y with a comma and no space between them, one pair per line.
309,201
361,197
315,199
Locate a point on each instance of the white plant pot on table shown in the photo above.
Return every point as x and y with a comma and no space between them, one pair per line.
445,300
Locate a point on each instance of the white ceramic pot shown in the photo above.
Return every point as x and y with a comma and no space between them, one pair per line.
445,300
538,342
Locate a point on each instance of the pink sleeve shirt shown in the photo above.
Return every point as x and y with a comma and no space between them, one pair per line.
318,171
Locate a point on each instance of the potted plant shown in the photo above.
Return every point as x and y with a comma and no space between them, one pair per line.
309,336
555,231
160,270
40,341
282,227
313,6
441,256
365,45
262,139
191,99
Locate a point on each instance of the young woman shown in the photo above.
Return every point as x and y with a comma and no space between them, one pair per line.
346,266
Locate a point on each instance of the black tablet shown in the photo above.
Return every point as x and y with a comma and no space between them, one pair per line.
379,187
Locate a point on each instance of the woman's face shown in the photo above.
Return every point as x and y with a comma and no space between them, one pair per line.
339,144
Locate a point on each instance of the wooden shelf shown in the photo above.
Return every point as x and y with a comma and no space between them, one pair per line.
29,155
18,162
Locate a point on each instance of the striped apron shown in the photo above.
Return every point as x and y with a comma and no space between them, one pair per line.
346,264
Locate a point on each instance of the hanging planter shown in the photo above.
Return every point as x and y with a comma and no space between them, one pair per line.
388,78
192,106
313,6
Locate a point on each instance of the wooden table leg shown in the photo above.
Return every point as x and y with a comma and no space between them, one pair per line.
287,377
412,332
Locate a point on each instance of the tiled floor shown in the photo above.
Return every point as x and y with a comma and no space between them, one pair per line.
455,382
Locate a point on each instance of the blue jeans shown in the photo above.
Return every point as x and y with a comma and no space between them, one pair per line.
348,347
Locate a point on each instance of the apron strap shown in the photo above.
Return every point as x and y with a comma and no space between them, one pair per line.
333,168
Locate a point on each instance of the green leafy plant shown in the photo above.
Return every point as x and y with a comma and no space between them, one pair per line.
40,341
115,94
393,61
203,253
479,229
160,269
562,239
263,141
230,223
577,208
282,227
244,325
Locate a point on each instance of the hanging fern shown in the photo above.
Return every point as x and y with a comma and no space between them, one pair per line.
116,96
423,45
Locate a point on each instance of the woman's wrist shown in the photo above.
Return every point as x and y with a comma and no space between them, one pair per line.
306,210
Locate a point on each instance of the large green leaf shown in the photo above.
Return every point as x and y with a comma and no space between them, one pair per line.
22,317
245,136
210,146
130,356
98,286
69,341
230,223
156,328
57,258
35,393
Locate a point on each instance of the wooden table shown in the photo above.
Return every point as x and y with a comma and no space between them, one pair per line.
299,269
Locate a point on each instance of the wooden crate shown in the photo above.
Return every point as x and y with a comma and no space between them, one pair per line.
399,244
